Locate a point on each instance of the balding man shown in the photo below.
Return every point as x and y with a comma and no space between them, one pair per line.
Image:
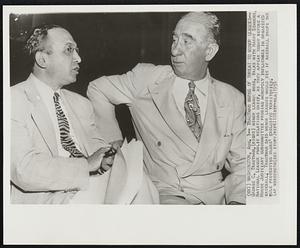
191,124
55,146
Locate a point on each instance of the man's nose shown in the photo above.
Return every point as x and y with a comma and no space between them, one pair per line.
76,56
176,48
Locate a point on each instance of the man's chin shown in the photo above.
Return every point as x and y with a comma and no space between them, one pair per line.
70,81
178,73
73,79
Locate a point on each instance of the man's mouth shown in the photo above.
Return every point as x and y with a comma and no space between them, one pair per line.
177,63
76,69
174,61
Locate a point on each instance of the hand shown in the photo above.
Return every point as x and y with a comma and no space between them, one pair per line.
116,144
106,163
235,203
95,158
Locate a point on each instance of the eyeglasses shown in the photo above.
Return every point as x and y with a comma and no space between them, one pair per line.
69,50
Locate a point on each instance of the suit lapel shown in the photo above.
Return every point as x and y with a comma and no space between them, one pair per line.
41,118
75,122
161,92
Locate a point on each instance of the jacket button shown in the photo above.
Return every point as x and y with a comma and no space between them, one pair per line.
159,143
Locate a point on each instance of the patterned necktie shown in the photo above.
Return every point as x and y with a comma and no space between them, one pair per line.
64,130
192,112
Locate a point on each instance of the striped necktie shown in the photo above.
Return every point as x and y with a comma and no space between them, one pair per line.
64,130
192,112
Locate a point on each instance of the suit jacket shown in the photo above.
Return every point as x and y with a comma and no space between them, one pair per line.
175,161
38,173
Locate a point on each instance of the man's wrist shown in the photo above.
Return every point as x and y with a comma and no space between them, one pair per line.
92,166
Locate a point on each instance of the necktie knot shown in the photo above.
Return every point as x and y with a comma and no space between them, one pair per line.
56,97
192,86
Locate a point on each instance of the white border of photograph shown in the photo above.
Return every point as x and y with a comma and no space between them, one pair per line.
180,225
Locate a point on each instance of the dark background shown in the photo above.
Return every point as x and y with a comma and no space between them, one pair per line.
113,43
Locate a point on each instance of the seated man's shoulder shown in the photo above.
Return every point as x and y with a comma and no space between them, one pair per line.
18,93
151,68
20,103
146,74
19,88
226,90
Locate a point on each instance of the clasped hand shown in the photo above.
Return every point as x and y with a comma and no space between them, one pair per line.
96,157
107,161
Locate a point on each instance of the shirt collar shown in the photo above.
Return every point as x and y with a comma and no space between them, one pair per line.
201,85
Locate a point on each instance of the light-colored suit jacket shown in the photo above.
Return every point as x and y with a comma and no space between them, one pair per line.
175,161
38,174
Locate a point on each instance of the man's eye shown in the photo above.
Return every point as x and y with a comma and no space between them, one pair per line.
186,41
69,50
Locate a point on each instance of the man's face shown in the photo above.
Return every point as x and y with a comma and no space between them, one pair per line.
63,60
189,50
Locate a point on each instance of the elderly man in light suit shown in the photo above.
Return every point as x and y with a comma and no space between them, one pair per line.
55,145
191,124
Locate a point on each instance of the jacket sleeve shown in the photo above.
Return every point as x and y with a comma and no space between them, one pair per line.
33,169
235,182
95,137
108,91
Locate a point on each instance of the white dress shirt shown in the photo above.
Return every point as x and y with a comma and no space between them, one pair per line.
47,94
181,89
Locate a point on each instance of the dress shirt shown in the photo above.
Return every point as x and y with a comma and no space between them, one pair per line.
181,89
47,94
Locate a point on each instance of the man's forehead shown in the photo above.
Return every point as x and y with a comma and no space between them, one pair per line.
190,27
194,30
60,35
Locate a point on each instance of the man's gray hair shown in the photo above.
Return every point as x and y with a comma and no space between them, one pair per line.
210,22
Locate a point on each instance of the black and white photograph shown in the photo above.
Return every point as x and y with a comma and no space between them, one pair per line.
190,122
148,112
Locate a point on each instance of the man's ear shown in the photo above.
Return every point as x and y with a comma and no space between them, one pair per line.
41,59
211,51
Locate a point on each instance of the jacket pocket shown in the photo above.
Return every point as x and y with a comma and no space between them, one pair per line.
223,148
